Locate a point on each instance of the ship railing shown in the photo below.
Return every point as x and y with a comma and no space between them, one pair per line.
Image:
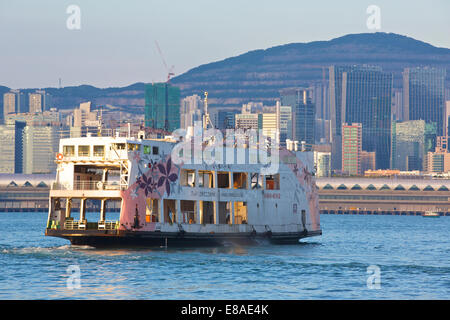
84,225
87,185
75,225
108,225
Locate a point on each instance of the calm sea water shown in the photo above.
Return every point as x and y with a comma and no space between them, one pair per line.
412,254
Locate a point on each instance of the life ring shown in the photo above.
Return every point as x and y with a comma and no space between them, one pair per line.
59,156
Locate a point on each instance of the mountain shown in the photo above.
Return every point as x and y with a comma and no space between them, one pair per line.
258,75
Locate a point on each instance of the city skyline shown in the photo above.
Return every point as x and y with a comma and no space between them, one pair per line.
118,41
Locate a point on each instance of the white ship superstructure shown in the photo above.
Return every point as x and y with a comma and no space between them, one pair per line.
166,201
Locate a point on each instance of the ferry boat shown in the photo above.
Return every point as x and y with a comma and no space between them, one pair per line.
171,203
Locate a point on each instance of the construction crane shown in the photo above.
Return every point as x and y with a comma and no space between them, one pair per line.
169,71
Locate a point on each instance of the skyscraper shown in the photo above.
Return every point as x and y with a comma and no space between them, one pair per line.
351,148
11,148
40,144
424,95
162,106
362,94
13,102
35,102
191,111
411,141
303,113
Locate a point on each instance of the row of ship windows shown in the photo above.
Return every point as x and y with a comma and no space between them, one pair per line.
99,150
205,179
385,187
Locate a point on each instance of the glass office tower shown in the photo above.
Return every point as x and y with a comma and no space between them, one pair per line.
303,114
424,95
162,106
362,94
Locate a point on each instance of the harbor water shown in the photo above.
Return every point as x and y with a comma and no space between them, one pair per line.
357,257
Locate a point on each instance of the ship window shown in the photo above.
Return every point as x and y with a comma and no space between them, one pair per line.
273,182
68,151
399,187
223,179
99,151
188,214
239,180
443,188
155,150
187,178
134,147
356,187
83,151
342,187
414,188
328,187
385,187
205,179
240,212
256,181
170,212
147,149
119,146
152,210
428,188
371,187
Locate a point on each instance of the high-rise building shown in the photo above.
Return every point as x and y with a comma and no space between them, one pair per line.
9,103
362,94
368,161
424,95
303,114
162,106
84,117
13,102
271,125
438,162
191,110
322,162
398,113
411,141
447,118
46,100
40,145
35,102
11,147
351,148
285,124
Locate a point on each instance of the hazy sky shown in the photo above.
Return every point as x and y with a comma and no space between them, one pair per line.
116,43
